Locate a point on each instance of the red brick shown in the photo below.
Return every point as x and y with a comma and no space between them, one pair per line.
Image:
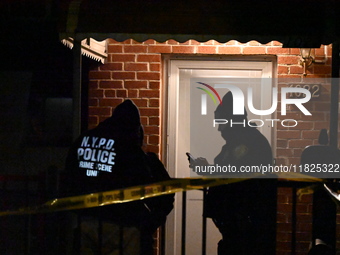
149,112
277,50
288,60
154,121
154,130
295,51
322,69
186,43
285,191
144,120
99,75
229,50
306,198
289,76
284,152
284,227
105,111
304,236
299,143
322,106
302,208
123,57
111,41
135,48
110,84
296,70
110,102
121,93
302,246
284,199
135,67
115,48
135,84
298,152
285,237
287,124
210,42
149,41
253,43
310,134
316,116
149,58
206,49
294,161
112,66
194,42
282,69
303,125
153,148
282,218
281,143
281,161
133,93
148,75
154,139
171,41
289,134
320,125
160,49
279,252
123,75
154,84
276,43
149,93
155,67
183,49
254,50
141,102
284,208
304,227
110,93
154,102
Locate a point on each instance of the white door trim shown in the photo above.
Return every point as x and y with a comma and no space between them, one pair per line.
173,239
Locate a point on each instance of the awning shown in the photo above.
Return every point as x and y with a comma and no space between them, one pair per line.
90,48
294,23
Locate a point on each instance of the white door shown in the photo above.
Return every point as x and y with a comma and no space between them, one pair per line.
184,101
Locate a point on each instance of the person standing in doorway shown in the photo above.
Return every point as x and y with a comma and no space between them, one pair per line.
244,212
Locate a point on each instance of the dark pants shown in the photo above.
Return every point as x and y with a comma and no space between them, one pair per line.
245,214
246,237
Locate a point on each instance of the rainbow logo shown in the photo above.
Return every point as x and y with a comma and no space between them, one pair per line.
209,93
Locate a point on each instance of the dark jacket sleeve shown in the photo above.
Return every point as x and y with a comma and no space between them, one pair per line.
159,206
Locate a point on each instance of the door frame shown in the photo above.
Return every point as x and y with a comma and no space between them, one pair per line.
170,117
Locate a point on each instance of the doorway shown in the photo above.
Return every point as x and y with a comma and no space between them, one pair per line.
183,100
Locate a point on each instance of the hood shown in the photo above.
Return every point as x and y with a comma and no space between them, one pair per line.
225,109
125,123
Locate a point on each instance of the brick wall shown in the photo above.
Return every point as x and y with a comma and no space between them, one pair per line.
134,70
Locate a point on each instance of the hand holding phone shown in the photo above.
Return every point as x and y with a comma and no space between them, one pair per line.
196,161
190,157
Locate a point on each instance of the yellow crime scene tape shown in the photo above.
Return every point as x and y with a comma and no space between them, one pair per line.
140,192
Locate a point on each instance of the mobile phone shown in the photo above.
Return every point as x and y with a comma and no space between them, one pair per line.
190,157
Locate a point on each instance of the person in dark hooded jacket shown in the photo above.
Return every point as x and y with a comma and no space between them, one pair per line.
244,212
109,157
